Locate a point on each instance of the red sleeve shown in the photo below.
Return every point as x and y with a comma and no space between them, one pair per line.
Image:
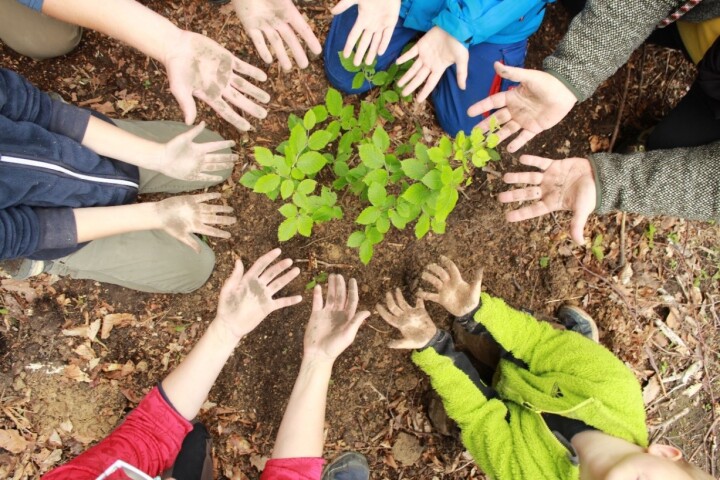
149,439
303,468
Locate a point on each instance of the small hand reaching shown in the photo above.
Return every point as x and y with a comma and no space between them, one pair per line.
182,216
280,22
333,326
455,294
183,159
198,66
560,185
540,102
372,30
414,323
247,297
435,52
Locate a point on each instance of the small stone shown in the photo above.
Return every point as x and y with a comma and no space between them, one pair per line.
407,449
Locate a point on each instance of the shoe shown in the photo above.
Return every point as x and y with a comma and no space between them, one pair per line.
577,320
22,268
348,466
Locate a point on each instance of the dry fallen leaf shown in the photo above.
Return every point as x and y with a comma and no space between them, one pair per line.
598,143
73,372
12,441
651,390
115,320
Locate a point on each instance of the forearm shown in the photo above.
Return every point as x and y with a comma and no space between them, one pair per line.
110,141
99,222
301,429
600,40
188,385
682,182
124,20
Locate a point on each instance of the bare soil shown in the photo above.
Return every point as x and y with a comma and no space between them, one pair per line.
654,292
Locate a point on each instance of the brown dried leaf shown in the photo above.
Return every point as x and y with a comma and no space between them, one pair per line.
598,143
651,390
239,445
115,320
12,441
73,372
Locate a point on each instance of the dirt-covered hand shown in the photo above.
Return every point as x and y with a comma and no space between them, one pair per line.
182,216
333,326
373,28
455,294
414,323
247,298
279,23
183,159
435,52
567,184
198,66
537,104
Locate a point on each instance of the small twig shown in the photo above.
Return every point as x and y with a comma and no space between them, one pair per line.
621,264
324,264
616,130
654,366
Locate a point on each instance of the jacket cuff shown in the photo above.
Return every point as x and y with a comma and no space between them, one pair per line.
437,339
69,120
578,94
57,228
454,26
598,183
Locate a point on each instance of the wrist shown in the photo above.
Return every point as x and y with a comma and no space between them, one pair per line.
170,42
317,362
223,335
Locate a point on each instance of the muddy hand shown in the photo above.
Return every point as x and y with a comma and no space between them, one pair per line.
455,294
279,23
373,28
185,160
182,216
334,324
246,299
198,66
414,323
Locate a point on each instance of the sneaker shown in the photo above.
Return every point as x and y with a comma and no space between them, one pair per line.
22,268
348,466
577,320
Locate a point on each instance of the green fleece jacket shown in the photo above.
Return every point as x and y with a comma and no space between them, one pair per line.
544,370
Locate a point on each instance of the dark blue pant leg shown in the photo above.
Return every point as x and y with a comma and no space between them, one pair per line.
451,103
335,42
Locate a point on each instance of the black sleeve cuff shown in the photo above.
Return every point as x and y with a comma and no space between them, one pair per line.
69,120
57,228
468,322
165,397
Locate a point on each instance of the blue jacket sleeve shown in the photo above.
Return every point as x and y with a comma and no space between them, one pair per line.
503,21
28,232
34,4
20,101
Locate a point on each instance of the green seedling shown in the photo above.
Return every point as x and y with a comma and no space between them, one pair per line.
319,278
597,248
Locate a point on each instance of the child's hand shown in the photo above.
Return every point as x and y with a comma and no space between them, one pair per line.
182,159
373,27
332,327
182,216
415,325
455,294
198,66
435,52
280,22
246,298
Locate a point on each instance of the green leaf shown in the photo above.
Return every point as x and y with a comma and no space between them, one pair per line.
432,180
319,140
492,140
348,64
397,220
445,146
381,139
390,96
377,194
328,196
287,229
371,155
383,223
366,252
297,174
480,157
311,162
304,225
367,117
358,80
355,239
288,210
267,183
250,178
544,262
422,227
378,176
334,101
438,226
293,120
414,168
380,78
421,152
333,129
298,138
321,113
340,168
416,194
436,155
287,188
373,235
347,118
368,216
477,138
446,201
264,156
307,186
309,120
323,214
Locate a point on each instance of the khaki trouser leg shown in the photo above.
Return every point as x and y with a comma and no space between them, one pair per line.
34,34
149,261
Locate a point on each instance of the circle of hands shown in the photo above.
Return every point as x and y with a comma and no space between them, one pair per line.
198,66
246,298
453,293
373,28
333,323
277,22
183,159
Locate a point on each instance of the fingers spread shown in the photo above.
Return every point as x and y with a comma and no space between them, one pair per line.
268,275
353,297
286,302
303,29
407,56
451,268
433,297
432,280
245,87
392,305
205,197
519,141
278,47
259,41
249,70
280,283
492,102
225,111
235,277
342,6
209,147
317,303
297,50
418,80
520,195
534,161
262,263
401,300
240,101
537,209
341,295
438,271
530,178
362,47
387,316
430,85
211,232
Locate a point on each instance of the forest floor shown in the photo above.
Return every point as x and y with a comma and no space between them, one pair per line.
652,284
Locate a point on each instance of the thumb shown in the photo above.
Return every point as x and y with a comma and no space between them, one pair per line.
196,130
462,73
342,6
515,74
477,284
577,225
187,105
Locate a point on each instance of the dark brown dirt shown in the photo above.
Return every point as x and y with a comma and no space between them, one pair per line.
377,394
